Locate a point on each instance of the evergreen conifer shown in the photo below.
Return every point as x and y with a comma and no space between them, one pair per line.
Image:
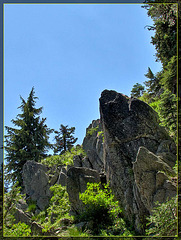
64,139
29,141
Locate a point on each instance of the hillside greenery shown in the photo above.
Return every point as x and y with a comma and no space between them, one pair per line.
64,159
29,140
160,89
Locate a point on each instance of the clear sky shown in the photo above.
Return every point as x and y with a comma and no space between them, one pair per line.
70,53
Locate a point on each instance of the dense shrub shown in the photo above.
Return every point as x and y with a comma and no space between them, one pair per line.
17,230
163,221
10,200
91,131
59,208
65,158
102,211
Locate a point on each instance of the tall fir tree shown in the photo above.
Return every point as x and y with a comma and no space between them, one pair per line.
162,87
152,84
29,141
64,139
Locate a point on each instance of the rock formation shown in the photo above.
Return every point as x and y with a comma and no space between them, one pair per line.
36,183
129,124
151,177
77,180
93,146
129,146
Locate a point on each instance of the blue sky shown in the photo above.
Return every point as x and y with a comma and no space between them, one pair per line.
70,53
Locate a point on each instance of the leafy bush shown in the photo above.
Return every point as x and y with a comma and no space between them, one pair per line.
10,200
101,133
64,159
59,203
59,208
102,210
17,230
91,131
163,221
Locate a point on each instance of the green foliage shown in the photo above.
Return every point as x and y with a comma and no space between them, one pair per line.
59,203
102,209
163,221
164,17
64,159
101,133
91,131
10,200
161,87
137,90
31,207
169,77
152,84
59,208
10,228
156,106
17,230
29,141
168,111
64,139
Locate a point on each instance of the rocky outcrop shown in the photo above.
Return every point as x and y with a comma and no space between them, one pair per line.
129,146
151,177
77,179
129,124
93,146
36,183
21,216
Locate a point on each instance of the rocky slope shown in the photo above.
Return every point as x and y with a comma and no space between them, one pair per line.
126,147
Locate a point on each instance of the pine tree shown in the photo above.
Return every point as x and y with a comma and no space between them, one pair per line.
29,141
137,90
64,139
168,112
153,85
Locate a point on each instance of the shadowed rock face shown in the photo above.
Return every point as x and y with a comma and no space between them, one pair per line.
93,146
36,183
77,179
151,178
128,124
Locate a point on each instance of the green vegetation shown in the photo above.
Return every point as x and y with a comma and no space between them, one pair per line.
64,139
163,221
18,230
101,133
65,158
161,87
91,131
31,206
103,211
10,200
59,208
137,90
9,226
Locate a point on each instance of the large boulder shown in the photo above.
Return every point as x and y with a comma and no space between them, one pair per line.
36,183
21,216
93,146
77,179
152,178
128,124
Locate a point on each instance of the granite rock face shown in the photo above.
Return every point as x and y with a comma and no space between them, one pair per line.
77,179
151,177
93,146
36,183
129,124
